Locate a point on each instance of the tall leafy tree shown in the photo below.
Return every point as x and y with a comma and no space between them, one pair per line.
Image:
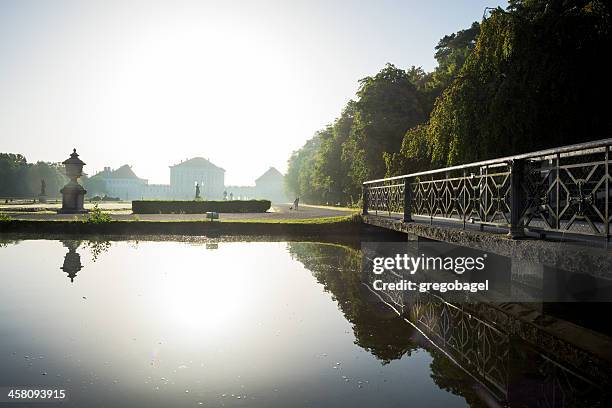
331,170
388,105
18,178
299,170
525,78
535,80
451,53
13,169
51,173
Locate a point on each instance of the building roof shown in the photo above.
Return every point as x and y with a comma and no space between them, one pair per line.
270,175
196,162
106,173
123,172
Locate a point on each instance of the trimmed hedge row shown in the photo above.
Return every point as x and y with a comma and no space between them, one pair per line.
199,207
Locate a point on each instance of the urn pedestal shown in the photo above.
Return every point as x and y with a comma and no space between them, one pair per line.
73,198
73,194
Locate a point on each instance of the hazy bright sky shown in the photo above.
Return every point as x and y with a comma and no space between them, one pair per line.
243,83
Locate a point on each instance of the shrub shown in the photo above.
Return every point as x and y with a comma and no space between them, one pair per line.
199,207
96,216
5,218
104,198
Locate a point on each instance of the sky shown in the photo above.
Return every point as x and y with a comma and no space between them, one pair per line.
241,83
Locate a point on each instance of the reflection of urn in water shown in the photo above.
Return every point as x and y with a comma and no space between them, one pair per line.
72,260
73,194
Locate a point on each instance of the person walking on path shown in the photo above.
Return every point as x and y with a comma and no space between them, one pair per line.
295,204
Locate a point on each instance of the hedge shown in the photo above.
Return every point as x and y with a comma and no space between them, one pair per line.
199,207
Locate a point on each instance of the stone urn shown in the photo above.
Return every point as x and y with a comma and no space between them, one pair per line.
73,194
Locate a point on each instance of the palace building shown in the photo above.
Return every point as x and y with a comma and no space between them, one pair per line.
126,185
123,183
269,186
185,175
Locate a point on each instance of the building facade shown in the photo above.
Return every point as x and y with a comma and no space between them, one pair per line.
125,185
185,175
268,186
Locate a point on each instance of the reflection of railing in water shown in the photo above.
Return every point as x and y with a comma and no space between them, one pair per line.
483,352
559,190
495,356
474,344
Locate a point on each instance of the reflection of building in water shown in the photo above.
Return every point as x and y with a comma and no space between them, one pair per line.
72,260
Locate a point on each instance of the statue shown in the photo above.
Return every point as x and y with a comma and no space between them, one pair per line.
197,196
42,197
73,194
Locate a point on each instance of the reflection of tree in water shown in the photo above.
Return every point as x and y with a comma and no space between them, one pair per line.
377,329
97,248
7,242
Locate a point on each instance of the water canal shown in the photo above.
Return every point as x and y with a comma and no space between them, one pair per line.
261,324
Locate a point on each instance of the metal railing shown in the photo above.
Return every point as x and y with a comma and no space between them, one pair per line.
563,190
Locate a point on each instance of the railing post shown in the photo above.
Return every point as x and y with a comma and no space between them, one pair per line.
407,200
364,197
607,195
517,198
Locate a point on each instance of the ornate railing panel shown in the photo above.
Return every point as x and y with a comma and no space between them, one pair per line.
472,195
565,190
387,198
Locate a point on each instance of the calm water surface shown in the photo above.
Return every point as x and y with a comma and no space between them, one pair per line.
159,324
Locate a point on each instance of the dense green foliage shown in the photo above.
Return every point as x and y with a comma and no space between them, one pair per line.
199,207
534,80
21,179
18,178
526,78
331,166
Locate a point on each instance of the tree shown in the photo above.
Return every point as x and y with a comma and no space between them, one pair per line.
13,168
299,169
525,78
51,173
18,178
535,80
94,185
331,170
318,172
451,53
388,105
